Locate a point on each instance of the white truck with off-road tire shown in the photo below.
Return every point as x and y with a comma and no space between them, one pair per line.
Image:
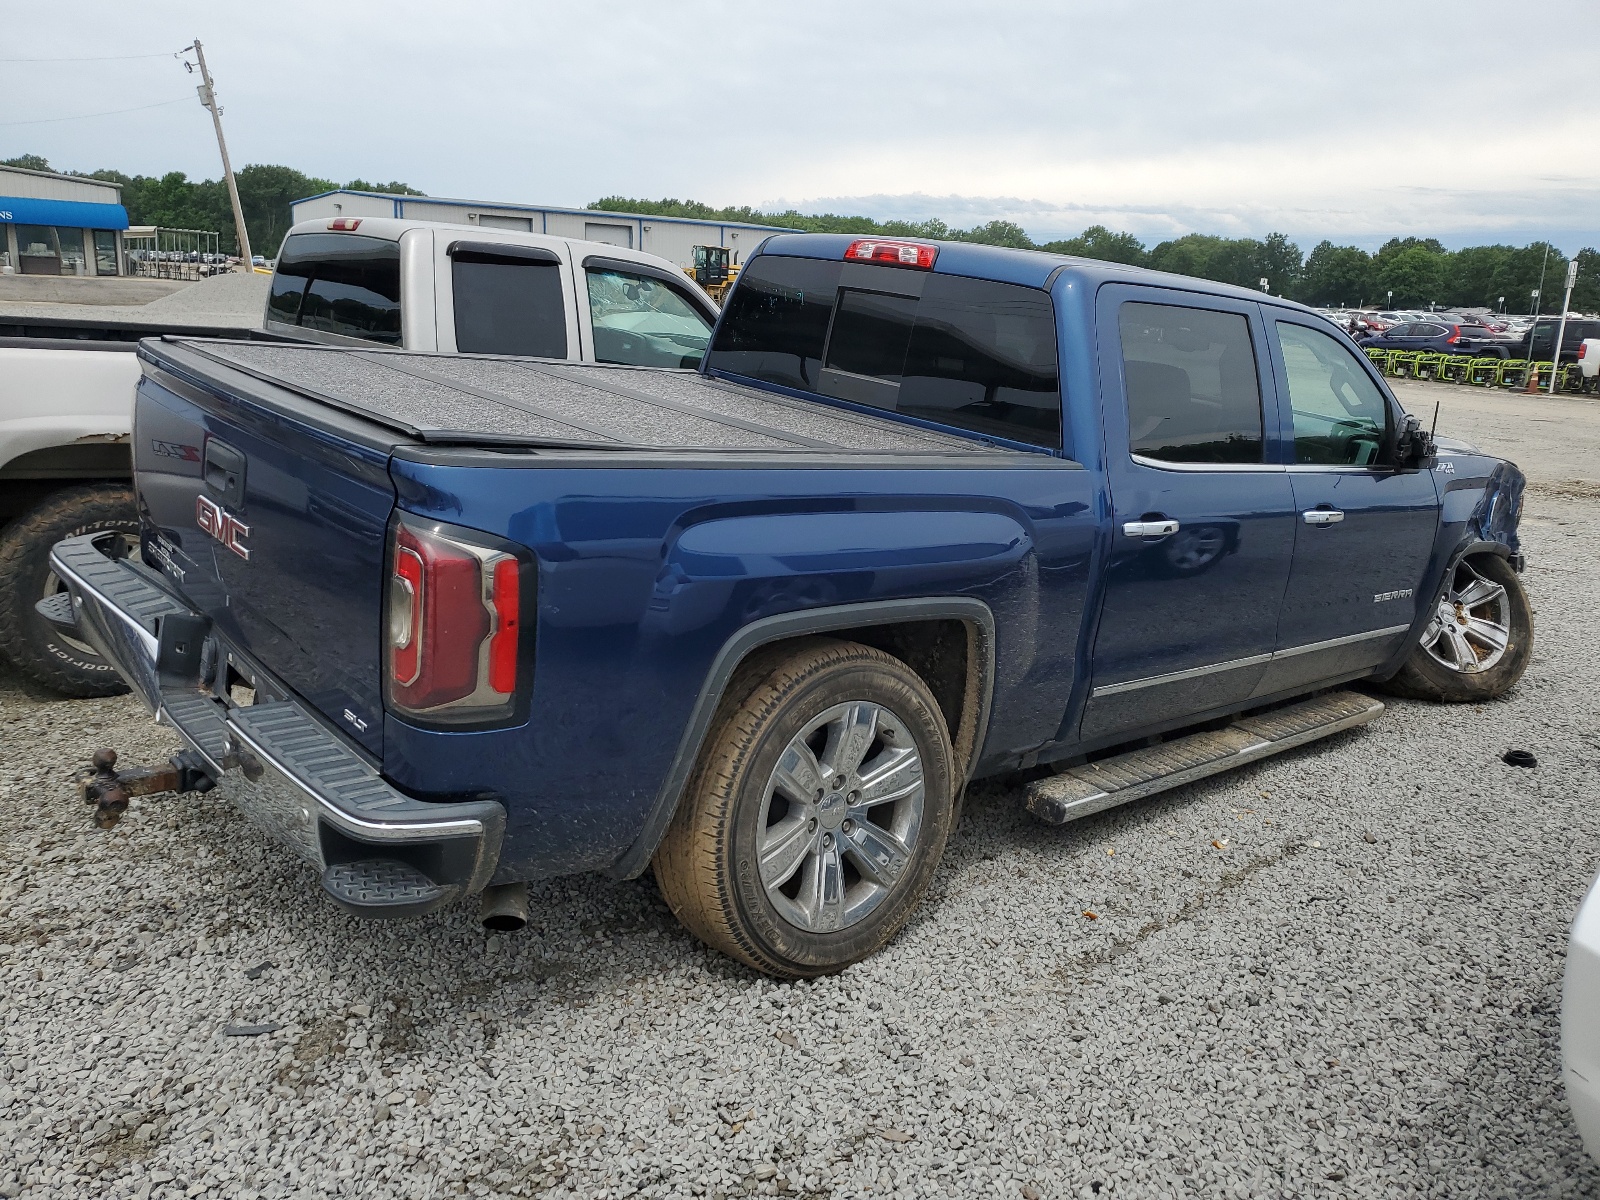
67,382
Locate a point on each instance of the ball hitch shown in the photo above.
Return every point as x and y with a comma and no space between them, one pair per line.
110,790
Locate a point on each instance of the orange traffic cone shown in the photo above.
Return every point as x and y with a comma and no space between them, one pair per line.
1533,380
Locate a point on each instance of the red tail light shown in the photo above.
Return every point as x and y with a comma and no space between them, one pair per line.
453,644
1455,335
895,254
345,224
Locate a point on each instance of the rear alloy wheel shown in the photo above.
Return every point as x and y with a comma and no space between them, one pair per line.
1479,640
817,814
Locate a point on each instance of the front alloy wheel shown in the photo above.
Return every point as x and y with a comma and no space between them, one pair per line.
1471,628
1478,640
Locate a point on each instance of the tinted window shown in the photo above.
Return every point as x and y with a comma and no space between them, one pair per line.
1398,331
1427,330
1193,395
983,357
1340,416
644,322
508,306
777,321
871,332
339,283
969,353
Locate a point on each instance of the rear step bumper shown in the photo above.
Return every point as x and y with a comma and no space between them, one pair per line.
1094,787
380,852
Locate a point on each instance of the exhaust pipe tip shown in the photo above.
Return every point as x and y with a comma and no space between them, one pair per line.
504,908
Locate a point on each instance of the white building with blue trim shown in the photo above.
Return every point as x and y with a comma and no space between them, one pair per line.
59,224
671,238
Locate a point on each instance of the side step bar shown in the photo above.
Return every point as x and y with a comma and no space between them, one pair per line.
1094,787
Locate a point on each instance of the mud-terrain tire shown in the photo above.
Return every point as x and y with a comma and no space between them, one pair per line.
1483,606
27,640
868,812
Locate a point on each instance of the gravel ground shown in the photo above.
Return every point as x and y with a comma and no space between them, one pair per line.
1356,995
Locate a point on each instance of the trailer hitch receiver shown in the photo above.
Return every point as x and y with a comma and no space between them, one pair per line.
109,790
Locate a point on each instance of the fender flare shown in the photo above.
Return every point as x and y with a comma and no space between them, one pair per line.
967,609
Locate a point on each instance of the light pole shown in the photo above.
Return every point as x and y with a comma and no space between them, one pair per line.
208,98
1561,329
1390,304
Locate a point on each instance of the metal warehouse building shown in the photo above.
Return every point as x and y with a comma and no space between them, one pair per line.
672,238
59,224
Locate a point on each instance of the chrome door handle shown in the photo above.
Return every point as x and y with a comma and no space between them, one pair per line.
1322,516
1149,529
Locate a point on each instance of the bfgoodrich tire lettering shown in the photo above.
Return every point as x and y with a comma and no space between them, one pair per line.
710,865
1479,640
30,642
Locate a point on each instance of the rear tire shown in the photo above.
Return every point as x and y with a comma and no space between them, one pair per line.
817,813
1479,641
31,643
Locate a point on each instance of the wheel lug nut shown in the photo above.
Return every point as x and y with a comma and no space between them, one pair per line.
855,797
827,841
838,783
811,825
848,826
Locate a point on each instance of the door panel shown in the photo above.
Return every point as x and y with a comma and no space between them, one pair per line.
1364,530
1189,618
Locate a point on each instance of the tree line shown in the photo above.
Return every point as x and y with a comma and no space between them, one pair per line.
175,201
1404,272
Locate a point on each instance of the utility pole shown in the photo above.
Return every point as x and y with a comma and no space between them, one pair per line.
1561,330
208,98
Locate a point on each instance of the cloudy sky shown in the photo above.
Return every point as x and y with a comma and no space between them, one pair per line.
1463,120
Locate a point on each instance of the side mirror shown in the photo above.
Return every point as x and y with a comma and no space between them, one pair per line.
1413,445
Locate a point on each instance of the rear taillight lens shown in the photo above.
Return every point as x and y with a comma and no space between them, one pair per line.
1455,335
454,649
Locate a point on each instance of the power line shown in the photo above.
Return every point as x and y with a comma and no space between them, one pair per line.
85,116
107,58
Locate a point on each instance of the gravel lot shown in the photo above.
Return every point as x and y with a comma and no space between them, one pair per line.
1357,995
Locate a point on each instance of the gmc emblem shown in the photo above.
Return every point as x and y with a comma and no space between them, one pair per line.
222,525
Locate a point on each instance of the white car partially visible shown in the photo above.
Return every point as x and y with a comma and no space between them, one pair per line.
1580,1021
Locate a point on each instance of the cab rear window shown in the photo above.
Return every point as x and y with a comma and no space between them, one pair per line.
971,354
339,283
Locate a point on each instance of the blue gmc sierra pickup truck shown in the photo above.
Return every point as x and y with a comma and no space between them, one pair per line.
925,512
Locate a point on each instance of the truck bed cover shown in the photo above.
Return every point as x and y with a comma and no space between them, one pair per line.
490,400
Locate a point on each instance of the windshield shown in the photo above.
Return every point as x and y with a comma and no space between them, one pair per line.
644,322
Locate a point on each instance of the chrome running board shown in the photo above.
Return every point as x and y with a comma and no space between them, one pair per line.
1093,787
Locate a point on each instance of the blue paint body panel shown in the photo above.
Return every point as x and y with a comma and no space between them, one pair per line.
650,564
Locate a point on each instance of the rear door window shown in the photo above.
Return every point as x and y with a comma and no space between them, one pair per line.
339,283
967,353
643,321
508,304
1193,392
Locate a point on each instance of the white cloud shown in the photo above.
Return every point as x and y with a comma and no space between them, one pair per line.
1230,117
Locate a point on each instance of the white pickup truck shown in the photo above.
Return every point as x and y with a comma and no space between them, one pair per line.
66,384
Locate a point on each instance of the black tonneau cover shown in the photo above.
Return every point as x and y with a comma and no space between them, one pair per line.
461,399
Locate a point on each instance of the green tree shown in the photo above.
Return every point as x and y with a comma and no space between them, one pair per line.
1099,242
394,188
1336,275
27,162
1415,274
265,194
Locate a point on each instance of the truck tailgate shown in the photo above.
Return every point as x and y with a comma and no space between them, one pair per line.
272,520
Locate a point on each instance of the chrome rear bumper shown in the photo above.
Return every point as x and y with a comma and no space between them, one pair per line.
381,852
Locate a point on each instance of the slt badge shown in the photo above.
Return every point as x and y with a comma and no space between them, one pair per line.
222,525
